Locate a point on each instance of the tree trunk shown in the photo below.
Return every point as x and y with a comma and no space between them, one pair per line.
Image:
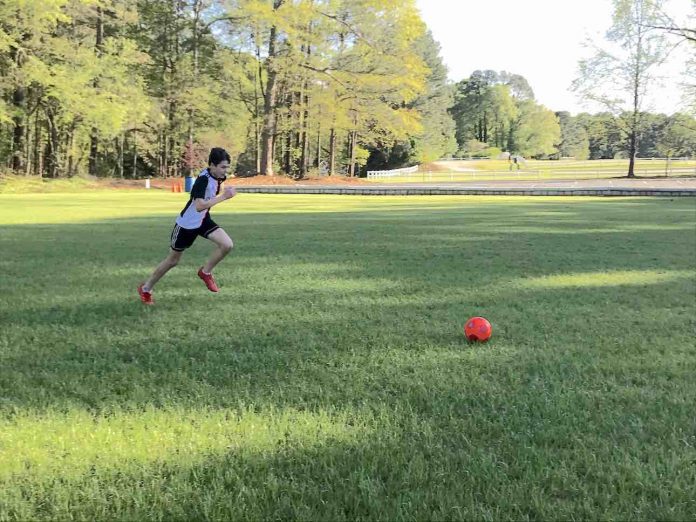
53,165
297,135
258,87
635,119
121,145
36,160
19,131
319,145
197,8
257,134
637,80
71,146
268,125
332,152
269,102
94,136
632,155
19,101
484,130
287,167
163,164
170,142
353,140
304,101
305,137
135,153
93,151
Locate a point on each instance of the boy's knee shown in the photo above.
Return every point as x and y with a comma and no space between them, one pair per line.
227,247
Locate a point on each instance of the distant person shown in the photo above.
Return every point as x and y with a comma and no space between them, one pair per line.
194,220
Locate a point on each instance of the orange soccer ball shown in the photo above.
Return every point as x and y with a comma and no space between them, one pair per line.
478,329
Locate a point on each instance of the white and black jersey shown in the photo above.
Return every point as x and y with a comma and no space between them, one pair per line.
205,187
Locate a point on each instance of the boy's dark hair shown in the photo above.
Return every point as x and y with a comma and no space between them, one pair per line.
218,155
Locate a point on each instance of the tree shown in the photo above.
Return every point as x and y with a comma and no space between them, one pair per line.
678,137
619,77
652,128
487,107
53,71
24,27
575,142
536,131
684,35
666,23
519,86
504,113
603,134
437,138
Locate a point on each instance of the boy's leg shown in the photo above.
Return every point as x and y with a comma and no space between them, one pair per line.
223,244
165,266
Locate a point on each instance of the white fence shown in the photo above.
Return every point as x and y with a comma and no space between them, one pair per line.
565,158
563,169
391,173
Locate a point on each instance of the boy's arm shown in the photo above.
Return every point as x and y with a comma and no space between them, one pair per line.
202,204
198,195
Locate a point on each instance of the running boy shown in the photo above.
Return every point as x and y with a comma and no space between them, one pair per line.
194,220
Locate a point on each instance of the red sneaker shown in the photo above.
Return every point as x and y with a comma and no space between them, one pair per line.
208,280
145,297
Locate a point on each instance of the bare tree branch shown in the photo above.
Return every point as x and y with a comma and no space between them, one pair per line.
684,32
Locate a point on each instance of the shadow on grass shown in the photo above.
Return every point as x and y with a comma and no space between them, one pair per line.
318,309
492,467
578,408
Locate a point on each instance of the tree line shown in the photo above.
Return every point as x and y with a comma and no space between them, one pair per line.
130,88
496,111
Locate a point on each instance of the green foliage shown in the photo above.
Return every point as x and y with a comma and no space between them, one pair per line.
437,139
575,142
678,137
492,152
71,85
620,73
498,109
361,155
607,135
537,130
604,136
4,112
146,87
473,148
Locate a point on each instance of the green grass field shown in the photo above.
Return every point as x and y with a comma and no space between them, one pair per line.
330,380
488,170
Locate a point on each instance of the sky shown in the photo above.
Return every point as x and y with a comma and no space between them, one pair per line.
543,40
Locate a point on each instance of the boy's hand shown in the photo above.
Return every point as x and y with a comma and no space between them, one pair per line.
230,192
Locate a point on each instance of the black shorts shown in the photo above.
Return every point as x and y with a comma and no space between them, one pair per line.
182,238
